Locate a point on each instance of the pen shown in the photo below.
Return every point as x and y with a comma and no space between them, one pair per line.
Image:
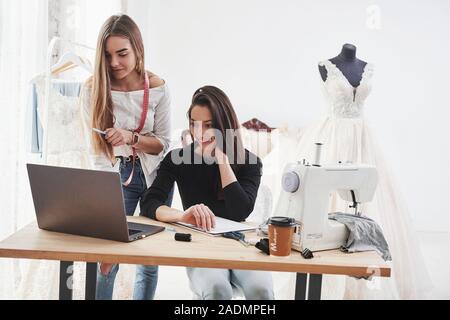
99,131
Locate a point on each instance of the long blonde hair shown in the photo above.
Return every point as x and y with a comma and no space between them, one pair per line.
100,83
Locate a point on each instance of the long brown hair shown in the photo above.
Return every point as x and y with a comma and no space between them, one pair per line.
100,83
224,118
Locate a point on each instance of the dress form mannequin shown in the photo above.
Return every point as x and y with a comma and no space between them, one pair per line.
350,66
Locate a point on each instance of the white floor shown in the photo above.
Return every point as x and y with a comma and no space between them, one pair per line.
173,282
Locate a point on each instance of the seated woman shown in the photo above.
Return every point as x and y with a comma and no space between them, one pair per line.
216,176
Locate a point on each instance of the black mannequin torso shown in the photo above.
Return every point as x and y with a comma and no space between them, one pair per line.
351,67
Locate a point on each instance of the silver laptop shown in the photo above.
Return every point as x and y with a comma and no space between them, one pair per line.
83,202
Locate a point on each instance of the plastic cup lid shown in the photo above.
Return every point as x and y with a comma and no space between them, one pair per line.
282,221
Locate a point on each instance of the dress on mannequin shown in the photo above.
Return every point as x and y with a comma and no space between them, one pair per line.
348,138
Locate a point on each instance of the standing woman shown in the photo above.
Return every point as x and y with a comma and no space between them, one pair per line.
215,176
132,106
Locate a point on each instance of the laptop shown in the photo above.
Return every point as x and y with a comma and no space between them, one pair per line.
83,202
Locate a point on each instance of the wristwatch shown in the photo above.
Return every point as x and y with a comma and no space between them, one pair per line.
135,139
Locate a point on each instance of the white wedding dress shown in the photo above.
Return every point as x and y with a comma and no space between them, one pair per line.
65,143
347,137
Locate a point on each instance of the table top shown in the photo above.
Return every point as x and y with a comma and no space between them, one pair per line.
204,251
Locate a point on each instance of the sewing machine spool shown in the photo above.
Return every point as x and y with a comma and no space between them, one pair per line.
318,154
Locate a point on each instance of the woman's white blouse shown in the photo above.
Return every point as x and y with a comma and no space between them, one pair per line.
127,114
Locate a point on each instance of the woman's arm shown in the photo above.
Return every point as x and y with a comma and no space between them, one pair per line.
156,142
198,215
153,201
150,145
240,193
118,137
159,141
168,214
227,175
157,194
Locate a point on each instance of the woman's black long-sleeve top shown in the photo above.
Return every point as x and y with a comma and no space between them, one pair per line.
200,183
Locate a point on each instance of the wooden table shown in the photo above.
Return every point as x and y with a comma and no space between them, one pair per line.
204,251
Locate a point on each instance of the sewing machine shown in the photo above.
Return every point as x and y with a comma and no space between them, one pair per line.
305,197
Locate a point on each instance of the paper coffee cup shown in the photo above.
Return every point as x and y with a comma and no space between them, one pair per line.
281,230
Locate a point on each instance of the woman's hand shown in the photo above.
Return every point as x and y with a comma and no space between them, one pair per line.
212,149
105,268
220,156
206,143
200,216
118,137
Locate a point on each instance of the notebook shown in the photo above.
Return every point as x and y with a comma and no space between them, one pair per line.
222,226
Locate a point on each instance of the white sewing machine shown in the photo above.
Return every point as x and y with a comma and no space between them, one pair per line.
305,197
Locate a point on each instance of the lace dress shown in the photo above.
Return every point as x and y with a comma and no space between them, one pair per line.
65,142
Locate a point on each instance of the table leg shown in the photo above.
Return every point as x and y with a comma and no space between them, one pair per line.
315,286
300,286
308,285
91,281
65,280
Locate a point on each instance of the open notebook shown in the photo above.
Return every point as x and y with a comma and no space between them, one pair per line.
222,226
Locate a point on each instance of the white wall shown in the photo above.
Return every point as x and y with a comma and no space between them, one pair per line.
264,54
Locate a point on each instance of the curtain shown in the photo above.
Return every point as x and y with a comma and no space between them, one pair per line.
24,37
23,42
